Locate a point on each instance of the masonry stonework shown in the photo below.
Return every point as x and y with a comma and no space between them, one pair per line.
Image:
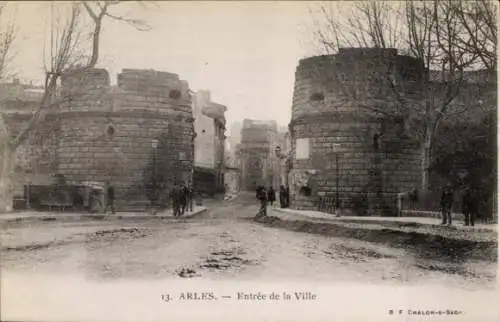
335,111
36,158
106,133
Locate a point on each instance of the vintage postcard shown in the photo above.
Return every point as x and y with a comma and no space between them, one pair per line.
248,161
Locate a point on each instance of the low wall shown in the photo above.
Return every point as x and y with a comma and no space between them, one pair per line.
428,205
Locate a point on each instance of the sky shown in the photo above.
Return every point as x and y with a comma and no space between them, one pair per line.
245,53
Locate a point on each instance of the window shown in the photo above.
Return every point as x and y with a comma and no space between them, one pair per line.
110,131
302,149
182,155
305,191
317,97
376,141
175,94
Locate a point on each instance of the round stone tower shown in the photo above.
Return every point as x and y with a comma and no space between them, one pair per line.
135,134
346,140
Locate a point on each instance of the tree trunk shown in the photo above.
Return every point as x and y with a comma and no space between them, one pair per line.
6,171
426,160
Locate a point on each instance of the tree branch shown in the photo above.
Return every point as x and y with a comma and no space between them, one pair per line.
136,23
8,33
65,58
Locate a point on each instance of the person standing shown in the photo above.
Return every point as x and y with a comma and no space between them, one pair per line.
287,197
184,198
469,207
271,196
262,197
446,205
282,196
175,196
110,198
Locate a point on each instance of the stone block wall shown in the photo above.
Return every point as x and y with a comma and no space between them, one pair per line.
36,158
107,134
353,80
334,110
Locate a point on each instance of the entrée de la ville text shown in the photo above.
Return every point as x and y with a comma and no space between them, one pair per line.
242,296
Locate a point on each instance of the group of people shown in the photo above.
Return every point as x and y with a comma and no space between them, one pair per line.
269,197
181,196
469,205
182,199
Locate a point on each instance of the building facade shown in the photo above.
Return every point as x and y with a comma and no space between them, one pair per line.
231,173
256,154
210,142
16,90
235,136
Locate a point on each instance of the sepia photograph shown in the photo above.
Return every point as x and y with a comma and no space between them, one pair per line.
248,161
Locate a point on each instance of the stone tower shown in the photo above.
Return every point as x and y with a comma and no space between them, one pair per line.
129,134
342,144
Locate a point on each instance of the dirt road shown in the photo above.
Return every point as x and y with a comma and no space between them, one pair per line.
222,244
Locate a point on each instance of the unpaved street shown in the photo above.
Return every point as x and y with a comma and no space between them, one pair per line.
223,243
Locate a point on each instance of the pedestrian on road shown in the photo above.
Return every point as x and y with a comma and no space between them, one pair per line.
282,196
469,206
175,196
262,197
110,198
287,197
271,195
446,205
184,198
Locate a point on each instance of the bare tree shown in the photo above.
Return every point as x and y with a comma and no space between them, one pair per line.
362,24
7,38
479,19
435,33
67,54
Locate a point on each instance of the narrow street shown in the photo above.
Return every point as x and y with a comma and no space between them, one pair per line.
223,243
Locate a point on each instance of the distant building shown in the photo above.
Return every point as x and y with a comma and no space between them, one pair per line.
210,142
17,91
231,173
235,136
256,154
